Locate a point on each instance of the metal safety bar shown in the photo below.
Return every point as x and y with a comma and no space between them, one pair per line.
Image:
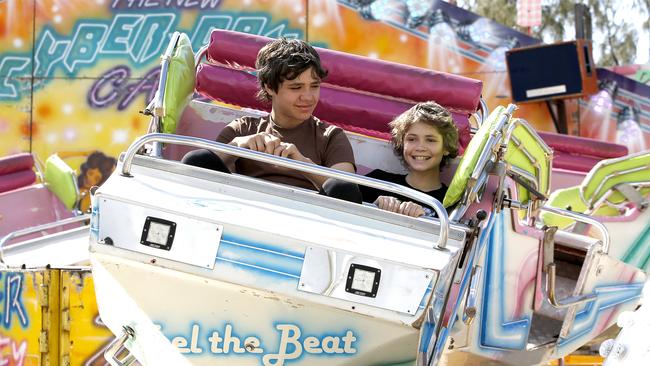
479,173
566,302
162,82
291,164
604,236
472,293
199,55
480,115
549,261
31,230
156,106
495,138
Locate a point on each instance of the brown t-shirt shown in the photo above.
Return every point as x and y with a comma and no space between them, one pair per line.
324,144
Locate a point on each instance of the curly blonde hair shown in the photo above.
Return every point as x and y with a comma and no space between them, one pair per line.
432,114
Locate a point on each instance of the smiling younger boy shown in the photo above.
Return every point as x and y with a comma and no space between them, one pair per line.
289,73
425,138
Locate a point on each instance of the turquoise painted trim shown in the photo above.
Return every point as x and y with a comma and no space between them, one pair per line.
638,254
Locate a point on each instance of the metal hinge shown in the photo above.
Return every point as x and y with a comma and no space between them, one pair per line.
43,346
65,320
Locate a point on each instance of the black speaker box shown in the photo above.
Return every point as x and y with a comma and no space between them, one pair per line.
559,70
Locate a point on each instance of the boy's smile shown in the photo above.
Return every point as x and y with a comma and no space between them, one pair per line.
423,147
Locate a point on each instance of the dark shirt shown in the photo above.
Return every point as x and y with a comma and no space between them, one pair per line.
371,194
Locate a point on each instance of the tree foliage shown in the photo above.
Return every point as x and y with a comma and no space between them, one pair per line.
613,23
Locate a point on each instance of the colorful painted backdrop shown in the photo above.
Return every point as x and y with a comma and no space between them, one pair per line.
74,74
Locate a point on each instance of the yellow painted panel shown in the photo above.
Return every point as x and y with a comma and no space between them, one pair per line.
85,333
21,316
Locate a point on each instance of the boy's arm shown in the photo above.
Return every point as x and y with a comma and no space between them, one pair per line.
337,154
318,180
236,135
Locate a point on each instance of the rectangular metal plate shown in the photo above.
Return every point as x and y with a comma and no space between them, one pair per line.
401,288
195,242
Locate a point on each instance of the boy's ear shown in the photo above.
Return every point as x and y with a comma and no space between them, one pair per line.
268,90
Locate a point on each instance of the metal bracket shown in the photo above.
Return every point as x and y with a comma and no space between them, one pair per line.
117,348
472,292
633,195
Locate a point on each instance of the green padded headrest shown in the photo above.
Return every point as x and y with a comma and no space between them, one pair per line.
534,148
470,158
609,173
60,180
180,83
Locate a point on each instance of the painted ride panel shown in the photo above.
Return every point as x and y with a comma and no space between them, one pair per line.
282,274
199,267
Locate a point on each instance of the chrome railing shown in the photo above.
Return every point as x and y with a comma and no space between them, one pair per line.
31,230
291,164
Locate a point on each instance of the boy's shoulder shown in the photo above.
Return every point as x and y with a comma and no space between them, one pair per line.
248,123
248,120
325,128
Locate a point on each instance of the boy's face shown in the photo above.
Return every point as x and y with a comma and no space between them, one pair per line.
295,99
423,147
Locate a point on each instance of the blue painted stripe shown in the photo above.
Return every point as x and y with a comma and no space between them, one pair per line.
262,249
258,267
607,298
423,303
277,248
497,331
269,259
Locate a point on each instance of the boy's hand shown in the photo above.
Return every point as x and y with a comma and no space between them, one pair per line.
411,209
287,150
262,142
388,203
392,204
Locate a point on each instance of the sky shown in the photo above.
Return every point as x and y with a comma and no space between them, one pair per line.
625,12
643,42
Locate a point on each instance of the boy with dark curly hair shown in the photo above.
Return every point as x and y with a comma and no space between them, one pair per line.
289,73
425,138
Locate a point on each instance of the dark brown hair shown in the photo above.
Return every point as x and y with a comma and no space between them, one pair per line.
285,59
432,114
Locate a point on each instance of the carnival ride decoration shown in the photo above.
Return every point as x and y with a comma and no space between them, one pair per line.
630,346
199,267
290,265
39,218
